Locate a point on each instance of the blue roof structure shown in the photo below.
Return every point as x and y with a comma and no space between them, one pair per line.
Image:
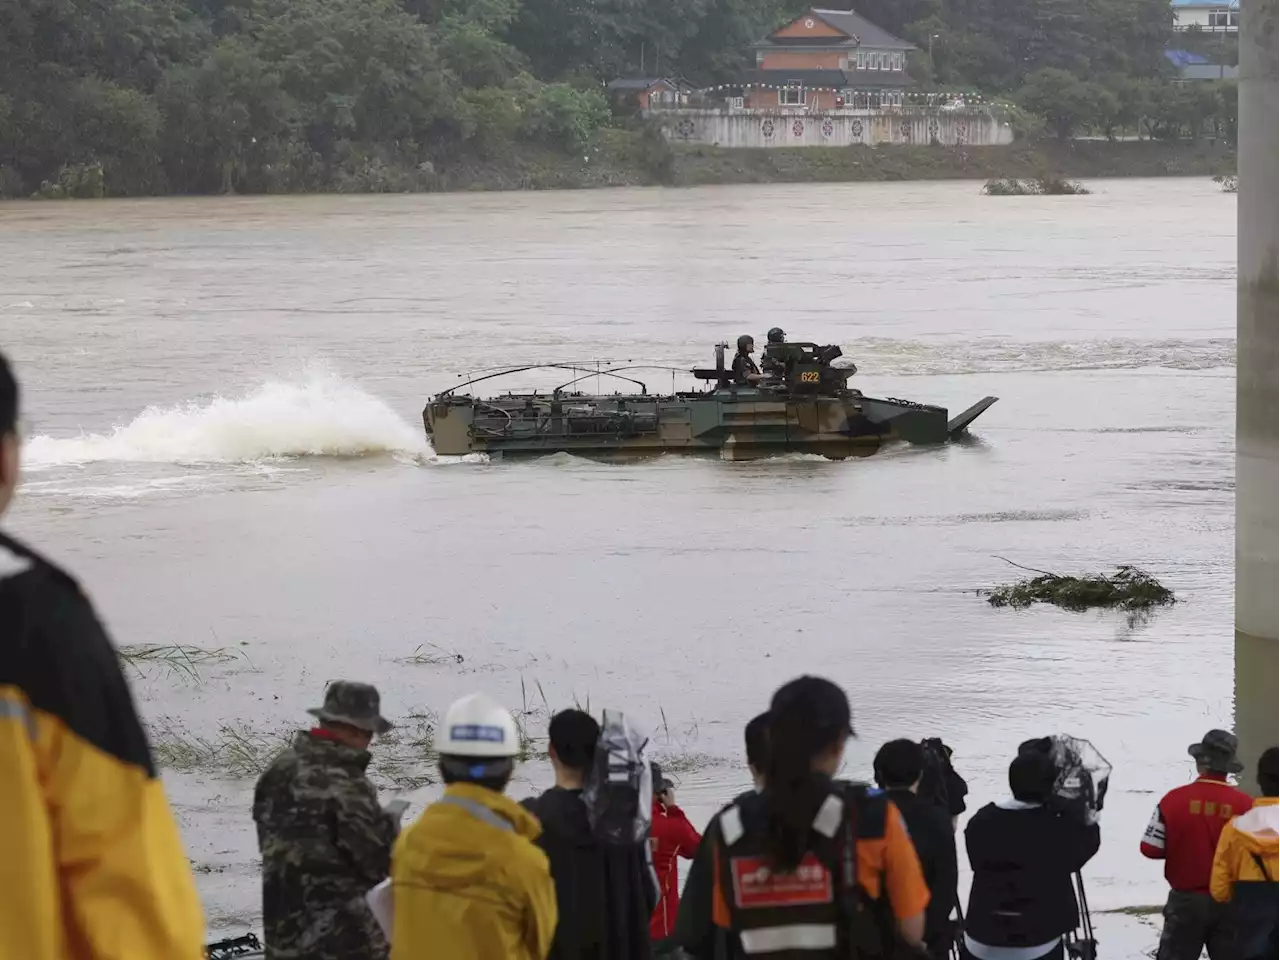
1184,58
1215,4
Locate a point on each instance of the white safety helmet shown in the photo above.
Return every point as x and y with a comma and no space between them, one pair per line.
478,726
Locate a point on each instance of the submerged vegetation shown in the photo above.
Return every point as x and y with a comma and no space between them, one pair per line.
236,750
1040,186
1129,588
181,659
1229,184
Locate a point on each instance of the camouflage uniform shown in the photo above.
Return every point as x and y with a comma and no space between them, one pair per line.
325,841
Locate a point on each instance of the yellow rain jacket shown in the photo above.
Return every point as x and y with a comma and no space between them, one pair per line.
468,883
91,866
1246,837
1244,875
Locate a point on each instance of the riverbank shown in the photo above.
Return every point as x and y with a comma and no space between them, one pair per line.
630,158
626,158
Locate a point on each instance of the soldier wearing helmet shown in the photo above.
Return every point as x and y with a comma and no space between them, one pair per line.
745,371
774,361
467,880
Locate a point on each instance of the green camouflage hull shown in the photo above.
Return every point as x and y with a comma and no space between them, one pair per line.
736,424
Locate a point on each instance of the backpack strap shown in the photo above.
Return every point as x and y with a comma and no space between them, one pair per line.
1262,866
863,929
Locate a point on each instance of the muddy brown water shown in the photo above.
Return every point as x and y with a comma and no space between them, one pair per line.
223,401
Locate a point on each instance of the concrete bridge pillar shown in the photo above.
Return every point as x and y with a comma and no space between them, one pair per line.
1257,493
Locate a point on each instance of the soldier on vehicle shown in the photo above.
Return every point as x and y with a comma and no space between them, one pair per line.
745,371
774,360
810,863
92,862
467,881
325,841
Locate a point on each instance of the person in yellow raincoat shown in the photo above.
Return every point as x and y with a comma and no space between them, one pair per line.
1244,867
467,881
91,863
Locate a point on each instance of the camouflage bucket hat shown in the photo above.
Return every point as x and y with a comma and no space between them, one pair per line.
1217,751
355,704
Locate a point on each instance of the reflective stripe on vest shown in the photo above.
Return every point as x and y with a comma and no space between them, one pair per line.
15,710
479,811
795,936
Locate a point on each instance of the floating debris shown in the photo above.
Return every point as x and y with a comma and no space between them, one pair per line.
1228,183
431,655
1129,588
1038,187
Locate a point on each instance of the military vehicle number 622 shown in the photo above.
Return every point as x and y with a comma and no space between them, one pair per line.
809,376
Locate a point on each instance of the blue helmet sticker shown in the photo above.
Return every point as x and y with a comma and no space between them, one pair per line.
477,733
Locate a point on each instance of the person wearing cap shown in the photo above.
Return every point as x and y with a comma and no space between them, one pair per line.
810,864
1184,832
1246,867
467,880
91,863
1024,853
323,837
672,837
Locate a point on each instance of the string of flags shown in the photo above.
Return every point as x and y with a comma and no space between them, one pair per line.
932,97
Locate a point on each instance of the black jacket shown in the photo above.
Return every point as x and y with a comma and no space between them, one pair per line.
743,365
1023,860
935,843
605,894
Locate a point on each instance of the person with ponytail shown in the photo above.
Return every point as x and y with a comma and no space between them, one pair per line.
809,867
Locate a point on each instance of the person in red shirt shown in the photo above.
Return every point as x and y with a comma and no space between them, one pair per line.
1183,832
672,836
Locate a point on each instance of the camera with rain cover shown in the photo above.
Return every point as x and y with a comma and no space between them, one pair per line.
1081,775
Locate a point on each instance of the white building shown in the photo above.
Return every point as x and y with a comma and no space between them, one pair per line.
1211,16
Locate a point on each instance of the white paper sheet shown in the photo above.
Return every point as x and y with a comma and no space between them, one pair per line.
382,906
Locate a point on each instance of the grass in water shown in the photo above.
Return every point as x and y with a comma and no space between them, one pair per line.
236,751
1129,588
428,654
405,757
183,659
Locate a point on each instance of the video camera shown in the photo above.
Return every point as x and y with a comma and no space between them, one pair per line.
1081,777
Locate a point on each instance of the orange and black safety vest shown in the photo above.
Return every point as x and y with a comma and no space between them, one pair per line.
818,909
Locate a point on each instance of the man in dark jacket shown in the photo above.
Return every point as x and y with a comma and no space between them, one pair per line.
606,894
1023,855
899,765
325,842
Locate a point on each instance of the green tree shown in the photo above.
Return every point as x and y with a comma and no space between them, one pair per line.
1066,102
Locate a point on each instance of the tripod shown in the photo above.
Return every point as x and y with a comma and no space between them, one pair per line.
1082,946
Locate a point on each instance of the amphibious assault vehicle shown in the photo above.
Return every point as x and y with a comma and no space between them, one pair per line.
804,404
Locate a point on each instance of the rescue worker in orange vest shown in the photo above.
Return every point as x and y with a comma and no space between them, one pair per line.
809,867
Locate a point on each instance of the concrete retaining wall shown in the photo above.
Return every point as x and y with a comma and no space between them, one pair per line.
836,128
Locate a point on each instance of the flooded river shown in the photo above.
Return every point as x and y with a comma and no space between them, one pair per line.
223,401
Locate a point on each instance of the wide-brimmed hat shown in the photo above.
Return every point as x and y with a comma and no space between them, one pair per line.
355,704
1217,751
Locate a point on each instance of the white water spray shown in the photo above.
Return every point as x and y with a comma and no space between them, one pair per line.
317,415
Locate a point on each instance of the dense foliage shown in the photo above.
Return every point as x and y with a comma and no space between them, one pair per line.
150,96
